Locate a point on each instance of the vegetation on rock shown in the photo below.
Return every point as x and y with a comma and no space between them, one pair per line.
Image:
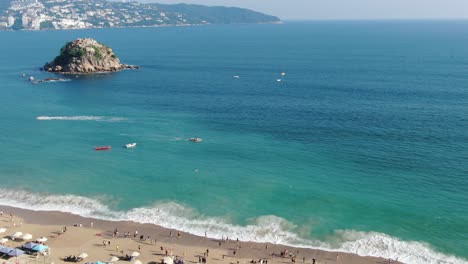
86,56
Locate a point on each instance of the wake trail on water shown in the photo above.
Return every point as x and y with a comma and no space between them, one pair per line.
82,118
270,228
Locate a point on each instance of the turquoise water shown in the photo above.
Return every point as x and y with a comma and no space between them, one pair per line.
361,148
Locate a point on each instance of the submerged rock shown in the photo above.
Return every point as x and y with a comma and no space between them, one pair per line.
86,56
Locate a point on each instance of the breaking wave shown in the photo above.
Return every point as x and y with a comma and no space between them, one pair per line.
81,118
263,229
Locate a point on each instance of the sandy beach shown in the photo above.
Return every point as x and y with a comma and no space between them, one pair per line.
96,238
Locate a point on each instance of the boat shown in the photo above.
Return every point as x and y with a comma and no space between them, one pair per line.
279,80
236,76
130,145
283,74
102,148
196,140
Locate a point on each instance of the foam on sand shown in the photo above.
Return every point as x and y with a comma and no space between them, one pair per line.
263,229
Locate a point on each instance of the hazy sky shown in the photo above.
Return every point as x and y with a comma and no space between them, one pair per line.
348,9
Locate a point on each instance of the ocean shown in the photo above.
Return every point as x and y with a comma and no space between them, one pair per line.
361,147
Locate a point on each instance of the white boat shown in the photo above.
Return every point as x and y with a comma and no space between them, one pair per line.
236,76
196,140
130,145
283,74
279,80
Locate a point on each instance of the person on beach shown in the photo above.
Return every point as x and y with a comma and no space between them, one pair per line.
104,243
117,247
139,248
313,260
135,234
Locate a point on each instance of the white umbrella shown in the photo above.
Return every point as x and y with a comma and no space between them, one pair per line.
17,234
113,259
137,262
168,260
83,255
27,236
3,240
41,239
2,230
135,254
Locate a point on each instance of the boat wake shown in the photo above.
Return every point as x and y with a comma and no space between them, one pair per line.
81,118
270,228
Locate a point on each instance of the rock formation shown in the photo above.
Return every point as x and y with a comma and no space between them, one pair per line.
86,56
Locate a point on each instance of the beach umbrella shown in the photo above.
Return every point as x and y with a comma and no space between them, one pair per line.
15,252
168,260
17,234
29,245
40,248
135,254
99,262
6,250
2,230
41,239
27,236
83,255
113,259
3,240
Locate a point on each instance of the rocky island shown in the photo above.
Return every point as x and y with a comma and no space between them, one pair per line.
86,56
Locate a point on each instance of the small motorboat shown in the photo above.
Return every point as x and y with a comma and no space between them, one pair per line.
279,80
102,148
130,145
196,140
236,76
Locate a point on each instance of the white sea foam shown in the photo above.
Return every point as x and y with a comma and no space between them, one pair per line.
263,229
81,118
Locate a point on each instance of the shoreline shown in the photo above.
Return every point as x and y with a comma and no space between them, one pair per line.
152,26
187,246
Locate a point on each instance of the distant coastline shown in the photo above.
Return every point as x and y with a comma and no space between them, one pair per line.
79,14
155,26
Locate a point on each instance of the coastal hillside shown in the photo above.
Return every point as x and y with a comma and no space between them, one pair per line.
217,14
4,5
75,14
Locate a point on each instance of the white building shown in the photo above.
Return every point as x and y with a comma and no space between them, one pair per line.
25,21
11,21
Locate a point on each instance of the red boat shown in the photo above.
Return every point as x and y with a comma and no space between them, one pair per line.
103,148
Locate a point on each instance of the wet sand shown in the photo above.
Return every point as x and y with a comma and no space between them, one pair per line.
90,236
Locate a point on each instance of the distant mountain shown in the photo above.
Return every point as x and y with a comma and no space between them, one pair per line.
73,14
217,14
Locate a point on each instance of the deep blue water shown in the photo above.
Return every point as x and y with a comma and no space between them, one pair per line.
362,147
